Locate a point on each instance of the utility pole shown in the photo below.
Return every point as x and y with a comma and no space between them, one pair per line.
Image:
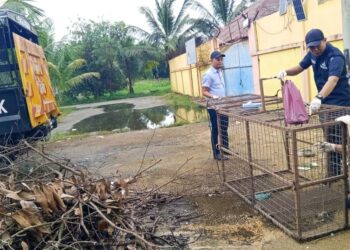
345,6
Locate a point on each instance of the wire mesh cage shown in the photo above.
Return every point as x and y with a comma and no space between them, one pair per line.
286,171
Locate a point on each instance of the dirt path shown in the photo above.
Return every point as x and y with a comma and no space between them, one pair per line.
227,222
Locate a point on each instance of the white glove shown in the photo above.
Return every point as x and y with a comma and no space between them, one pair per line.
315,105
215,97
325,147
282,75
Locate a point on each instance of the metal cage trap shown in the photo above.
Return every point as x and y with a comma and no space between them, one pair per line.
280,169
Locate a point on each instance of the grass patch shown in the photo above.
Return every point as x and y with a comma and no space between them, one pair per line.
183,101
65,111
141,88
60,136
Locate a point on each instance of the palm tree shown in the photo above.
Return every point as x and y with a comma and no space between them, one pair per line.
67,77
130,61
24,7
169,31
45,31
223,12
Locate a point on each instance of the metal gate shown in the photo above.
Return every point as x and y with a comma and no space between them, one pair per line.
238,70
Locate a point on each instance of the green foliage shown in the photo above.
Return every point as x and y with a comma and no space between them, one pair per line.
169,30
221,14
67,76
99,58
113,52
142,88
46,36
183,101
26,8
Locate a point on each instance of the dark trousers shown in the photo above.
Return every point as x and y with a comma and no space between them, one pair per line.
215,131
333,135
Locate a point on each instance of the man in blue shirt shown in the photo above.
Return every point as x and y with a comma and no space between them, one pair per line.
329,67
330,75
213,87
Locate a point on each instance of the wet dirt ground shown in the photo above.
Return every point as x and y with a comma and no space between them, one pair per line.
183,164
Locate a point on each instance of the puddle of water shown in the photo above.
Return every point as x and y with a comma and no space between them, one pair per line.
122,117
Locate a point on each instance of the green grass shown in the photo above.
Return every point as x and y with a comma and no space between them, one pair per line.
144,88
182,101
65,111
60,136
141,88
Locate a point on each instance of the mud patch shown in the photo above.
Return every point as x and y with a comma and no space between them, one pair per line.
226,217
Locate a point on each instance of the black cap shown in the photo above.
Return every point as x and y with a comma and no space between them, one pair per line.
314,38
216,54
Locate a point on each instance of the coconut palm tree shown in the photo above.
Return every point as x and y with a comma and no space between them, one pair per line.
67,77
222,13
24,7
169,30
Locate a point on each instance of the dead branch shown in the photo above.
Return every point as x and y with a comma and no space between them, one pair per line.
44,208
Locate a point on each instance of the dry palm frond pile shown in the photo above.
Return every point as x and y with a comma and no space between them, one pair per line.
48,203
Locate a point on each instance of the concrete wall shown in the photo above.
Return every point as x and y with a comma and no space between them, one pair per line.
186,79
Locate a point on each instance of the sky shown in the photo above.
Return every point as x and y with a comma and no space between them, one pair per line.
65,12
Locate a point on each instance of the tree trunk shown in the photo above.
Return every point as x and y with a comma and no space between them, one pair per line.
130,83
131,88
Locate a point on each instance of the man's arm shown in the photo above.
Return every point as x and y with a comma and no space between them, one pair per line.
294,71
329,86
289,72
336,65
206,93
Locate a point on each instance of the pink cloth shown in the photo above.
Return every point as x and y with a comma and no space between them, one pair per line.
294,108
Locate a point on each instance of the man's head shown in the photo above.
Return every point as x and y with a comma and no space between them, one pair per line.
216,59
315,42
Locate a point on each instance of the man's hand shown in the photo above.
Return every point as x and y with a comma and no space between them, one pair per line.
282,75
315,105
325,147
215,97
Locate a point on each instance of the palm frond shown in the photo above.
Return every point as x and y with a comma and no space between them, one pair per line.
55,70
76,64
165,16
142,51
150,19
205,13
186,4
80,78
22,6
136,31
239,8
204,26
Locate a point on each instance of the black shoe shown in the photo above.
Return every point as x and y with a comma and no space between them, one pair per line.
219,157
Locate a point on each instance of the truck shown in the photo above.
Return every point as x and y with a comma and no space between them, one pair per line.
28,108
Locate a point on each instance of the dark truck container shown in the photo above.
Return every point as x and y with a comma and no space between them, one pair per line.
27,104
